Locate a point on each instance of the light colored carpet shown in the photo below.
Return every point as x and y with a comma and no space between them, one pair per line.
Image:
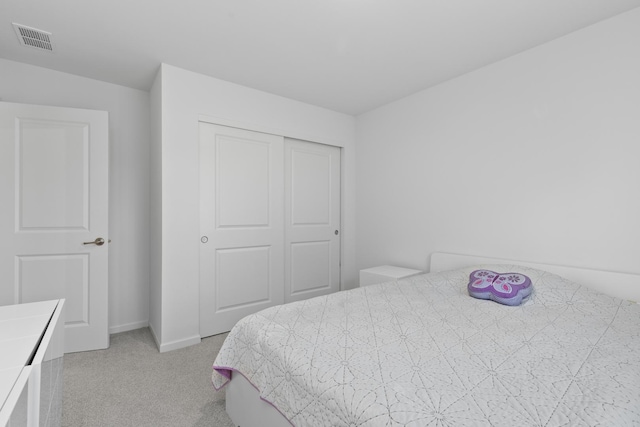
132,384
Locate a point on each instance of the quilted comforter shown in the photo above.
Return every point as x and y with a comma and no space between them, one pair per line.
421,352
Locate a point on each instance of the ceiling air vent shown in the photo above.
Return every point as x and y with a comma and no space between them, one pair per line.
33,37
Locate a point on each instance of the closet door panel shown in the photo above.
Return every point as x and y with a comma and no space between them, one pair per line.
242,176
310,267
242,226
312,219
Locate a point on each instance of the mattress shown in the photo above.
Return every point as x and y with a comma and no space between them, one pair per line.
422,352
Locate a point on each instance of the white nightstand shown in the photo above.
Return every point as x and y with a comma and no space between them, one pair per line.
385,273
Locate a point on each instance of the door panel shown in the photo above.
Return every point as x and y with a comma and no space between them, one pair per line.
312,218
33,283
52,185
242,175
54,193
310,175
310,267
242,232
242,277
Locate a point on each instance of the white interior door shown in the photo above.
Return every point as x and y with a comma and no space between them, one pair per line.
242,226
53,198
312,219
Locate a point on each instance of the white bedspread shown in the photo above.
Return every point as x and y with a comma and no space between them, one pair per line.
421,352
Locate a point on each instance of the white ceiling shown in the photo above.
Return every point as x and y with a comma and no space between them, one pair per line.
346,55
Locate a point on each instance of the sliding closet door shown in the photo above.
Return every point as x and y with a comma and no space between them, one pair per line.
242,225
312,219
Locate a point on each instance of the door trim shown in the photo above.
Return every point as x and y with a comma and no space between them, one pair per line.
221,121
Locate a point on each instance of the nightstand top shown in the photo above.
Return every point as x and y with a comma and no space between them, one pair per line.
392,271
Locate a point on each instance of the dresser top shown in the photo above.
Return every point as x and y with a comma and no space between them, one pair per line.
21,328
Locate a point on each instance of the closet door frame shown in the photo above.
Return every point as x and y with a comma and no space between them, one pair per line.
219,121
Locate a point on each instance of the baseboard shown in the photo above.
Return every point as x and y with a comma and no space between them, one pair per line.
175,345
153,334
128,327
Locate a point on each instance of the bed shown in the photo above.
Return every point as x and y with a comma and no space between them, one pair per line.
422,352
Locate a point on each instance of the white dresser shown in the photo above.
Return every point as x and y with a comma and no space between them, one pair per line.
32,350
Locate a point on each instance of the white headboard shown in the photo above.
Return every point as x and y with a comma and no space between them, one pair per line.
621,285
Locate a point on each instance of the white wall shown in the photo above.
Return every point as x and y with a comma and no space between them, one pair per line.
535,157
185,96
129,174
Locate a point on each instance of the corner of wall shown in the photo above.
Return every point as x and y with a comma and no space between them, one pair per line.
155,210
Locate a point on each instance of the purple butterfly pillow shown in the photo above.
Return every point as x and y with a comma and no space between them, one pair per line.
504,288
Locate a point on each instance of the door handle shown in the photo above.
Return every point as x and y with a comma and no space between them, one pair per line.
98,242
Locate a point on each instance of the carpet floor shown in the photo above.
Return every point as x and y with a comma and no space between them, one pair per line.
132,384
